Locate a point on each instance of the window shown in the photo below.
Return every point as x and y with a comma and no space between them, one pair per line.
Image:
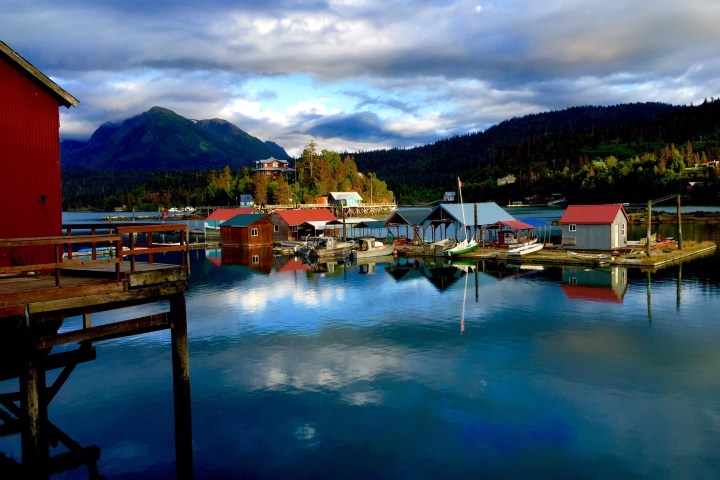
254,232
572,227
276,228
255,259
622,229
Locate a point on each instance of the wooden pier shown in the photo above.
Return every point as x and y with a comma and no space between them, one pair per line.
121,269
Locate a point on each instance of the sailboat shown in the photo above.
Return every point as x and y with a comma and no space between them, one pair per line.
466,245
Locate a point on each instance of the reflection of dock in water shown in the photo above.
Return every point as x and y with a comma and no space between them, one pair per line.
36,300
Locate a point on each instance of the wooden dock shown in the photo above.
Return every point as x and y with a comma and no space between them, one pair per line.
660,255
36,300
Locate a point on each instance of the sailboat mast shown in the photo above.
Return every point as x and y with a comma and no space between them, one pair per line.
462,207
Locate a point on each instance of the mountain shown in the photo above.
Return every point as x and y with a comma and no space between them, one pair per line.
160,139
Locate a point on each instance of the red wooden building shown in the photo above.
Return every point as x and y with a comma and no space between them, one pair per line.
251,230
30,184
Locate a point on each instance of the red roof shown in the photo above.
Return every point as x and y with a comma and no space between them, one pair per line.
517,224
592,214
300,216
228,213
597,294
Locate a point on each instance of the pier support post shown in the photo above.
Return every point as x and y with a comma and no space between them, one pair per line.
181,387
679,224
35,449
648,247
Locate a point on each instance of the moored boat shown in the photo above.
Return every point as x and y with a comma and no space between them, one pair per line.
323,247
596,258
525,249
371,247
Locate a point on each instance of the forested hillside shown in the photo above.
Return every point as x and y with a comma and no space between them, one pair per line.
622,153
591,154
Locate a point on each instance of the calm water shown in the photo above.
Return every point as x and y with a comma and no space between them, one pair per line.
419,370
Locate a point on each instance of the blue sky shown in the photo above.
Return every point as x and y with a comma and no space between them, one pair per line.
363,74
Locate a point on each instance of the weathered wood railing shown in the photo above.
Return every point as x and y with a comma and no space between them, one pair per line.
121,241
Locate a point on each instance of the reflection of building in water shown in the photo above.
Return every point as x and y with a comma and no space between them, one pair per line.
597,284
257,258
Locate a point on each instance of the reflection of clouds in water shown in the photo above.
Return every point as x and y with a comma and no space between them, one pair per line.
367,397
307,435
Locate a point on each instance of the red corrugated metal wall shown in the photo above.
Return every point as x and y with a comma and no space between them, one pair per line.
30,183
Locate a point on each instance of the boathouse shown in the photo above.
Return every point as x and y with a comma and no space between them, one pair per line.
30,186
594,227
406,218
246,230
297,223
471,216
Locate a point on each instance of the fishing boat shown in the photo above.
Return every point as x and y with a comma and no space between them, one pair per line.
324,247
525,249
596,258
466,245
371,247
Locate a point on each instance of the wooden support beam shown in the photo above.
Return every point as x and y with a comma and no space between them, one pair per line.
135,326
181,388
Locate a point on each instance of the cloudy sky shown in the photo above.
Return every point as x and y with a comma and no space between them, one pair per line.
364,74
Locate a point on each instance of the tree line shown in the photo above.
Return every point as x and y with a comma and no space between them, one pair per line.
316,174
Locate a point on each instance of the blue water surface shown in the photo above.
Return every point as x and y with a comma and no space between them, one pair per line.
416,369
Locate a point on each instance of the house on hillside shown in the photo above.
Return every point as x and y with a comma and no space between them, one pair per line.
295,224
272,167
345,199
594,227
246,230
213,221
31,186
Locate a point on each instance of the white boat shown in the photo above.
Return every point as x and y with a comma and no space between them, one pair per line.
466,245
596,258
371,247
323,247
525,249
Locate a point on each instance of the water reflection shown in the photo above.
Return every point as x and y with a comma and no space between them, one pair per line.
607,284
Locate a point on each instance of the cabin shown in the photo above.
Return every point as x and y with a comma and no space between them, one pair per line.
272,167
213,221
246,230
30,187
345,199
594,227
295,224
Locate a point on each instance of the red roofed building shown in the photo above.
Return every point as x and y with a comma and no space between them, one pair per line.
213,221
594,227
30,187
295,224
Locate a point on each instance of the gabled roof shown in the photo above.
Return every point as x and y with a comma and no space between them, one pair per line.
296,217
228,213
408,216
273,159
243,220
487,213
517,224
345,195
35,75
592,214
